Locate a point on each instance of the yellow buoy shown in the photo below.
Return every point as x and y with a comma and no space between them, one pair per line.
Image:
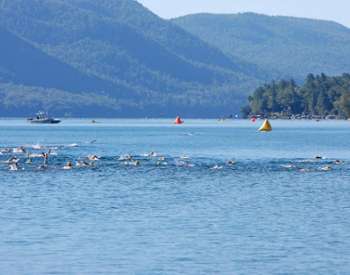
266,127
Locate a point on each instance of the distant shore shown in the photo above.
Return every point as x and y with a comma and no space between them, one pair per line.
298,117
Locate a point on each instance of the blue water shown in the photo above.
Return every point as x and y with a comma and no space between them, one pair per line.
182,210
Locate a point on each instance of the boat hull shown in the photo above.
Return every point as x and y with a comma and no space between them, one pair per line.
46,121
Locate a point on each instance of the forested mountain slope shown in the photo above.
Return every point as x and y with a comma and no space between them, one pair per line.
291,46
119,49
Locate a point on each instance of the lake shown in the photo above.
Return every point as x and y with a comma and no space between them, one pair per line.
206,197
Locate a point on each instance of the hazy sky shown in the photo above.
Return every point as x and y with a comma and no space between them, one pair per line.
336,10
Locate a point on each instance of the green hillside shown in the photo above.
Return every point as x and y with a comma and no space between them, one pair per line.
119,49
21,62
293,47
112,58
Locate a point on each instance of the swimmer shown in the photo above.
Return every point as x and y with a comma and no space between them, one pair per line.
13,159
5,151
135,163
42,167
37,147
46,158
338,162
184,157
82,163
52,153
19,150
153,154
132,162
13,166
68,166
125,157
35,155
231,162
29,160
318,157
288,166
73,145
161,163
184,164
326,168
93,158
216,167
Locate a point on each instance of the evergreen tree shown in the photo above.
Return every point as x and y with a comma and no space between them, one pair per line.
319,95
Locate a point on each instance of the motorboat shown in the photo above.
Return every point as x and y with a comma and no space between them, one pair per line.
43,118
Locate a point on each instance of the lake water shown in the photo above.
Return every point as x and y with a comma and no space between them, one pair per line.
185,209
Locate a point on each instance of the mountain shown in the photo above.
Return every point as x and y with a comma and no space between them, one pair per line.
111,58
292,47
119,50
18,57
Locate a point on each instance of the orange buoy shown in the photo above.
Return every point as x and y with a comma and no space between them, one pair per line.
178,120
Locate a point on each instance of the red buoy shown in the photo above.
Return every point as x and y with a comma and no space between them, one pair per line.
178,120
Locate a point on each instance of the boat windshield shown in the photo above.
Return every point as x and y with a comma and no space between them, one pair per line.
41,115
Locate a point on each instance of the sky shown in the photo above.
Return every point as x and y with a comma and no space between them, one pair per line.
335,10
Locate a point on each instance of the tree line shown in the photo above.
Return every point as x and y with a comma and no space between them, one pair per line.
319,95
